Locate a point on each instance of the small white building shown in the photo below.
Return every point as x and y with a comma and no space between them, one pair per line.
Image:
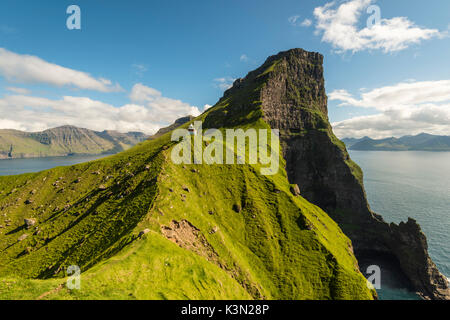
192,130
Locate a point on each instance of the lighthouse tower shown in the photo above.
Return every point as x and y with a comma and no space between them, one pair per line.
192,130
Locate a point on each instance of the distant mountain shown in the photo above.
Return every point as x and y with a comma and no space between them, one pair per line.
421,142
63,141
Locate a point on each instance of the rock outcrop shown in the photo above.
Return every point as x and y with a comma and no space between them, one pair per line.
290,90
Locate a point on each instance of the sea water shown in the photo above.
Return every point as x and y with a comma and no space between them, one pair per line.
10,167
412,184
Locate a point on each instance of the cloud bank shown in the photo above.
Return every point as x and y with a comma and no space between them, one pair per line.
338,25
147,111
30,69
405,108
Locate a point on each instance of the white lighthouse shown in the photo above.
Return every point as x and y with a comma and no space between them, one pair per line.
192,130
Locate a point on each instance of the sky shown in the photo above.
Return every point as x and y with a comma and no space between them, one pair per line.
138,65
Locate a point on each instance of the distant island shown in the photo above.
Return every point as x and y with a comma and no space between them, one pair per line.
64,141
421,142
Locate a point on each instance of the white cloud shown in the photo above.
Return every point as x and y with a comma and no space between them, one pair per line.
148,111
294,21
162,108
19,90
30,69
206,107
142,93
224,83
339,27
306,23
243,58
405,108
397,96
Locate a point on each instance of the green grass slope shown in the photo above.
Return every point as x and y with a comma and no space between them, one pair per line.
277,247
212,231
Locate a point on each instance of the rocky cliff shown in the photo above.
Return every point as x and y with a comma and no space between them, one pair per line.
290,90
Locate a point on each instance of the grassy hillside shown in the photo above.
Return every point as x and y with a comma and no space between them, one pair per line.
64,140
142,227
199,246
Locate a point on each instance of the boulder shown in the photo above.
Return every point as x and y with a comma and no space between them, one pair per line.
143,232
23,237
29,222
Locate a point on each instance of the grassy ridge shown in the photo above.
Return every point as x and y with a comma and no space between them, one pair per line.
212,231
277,246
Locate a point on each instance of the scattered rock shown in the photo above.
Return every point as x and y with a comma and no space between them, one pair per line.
143,232
29,222
23,237
170,189
211,212
276,190
185,188
102,187
214,230
147,167
33,192
295,190
28,201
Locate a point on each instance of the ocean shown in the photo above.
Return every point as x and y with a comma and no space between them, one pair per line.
10,167
404,184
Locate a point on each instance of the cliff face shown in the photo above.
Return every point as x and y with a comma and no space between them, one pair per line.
293,99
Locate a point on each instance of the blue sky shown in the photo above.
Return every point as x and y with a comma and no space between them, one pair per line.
163,59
